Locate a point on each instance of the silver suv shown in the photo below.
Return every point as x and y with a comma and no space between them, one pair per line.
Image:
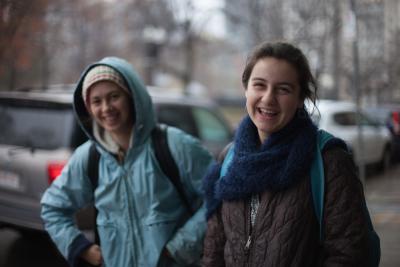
39,132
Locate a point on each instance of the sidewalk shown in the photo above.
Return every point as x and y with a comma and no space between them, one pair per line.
383,198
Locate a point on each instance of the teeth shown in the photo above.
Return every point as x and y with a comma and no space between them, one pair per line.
112,118
266,111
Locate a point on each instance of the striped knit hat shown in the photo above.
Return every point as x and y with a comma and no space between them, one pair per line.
101,73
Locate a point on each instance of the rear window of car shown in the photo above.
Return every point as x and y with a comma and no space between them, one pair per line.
177,116
38,125
209,126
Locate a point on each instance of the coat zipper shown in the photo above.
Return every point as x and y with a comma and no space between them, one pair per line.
250,238
250,234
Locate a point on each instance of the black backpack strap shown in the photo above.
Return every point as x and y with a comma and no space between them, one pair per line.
167,162
93,173
93,166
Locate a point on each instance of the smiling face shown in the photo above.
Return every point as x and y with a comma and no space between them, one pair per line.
272,95
111,107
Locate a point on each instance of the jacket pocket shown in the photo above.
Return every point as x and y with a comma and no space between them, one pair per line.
154,220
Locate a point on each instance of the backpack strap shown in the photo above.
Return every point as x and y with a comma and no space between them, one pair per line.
167,162
93,173
227,158
318,178
318,190
93,166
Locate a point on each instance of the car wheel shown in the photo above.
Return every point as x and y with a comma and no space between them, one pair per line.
386,159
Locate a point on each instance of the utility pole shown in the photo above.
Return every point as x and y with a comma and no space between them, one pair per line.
336,55
358,94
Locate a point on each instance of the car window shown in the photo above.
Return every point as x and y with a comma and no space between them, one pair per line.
35,126
350,119
209,126
177,116
345,118
368,121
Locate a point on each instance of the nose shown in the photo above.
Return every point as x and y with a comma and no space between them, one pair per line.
105,105
268,96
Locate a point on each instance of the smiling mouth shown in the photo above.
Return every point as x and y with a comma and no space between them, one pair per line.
110,119
266,112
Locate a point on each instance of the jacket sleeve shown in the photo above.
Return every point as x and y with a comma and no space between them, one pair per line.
192,160
67,194
346,227
214,242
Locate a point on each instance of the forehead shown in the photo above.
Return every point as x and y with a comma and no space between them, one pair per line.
271,68
103,87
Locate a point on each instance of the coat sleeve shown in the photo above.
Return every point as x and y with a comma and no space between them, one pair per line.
67,194
214,242
346,227
192,160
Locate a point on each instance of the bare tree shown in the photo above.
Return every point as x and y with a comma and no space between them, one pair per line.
19,21
254,21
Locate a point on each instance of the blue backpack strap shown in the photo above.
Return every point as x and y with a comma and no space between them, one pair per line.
318,178
227,160
317,187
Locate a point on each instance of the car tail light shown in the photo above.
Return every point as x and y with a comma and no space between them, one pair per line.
54,169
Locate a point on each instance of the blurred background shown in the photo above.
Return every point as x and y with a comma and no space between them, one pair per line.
199,48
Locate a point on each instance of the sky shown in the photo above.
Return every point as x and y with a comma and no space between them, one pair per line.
211,16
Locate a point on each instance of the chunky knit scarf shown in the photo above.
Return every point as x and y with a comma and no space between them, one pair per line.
279,163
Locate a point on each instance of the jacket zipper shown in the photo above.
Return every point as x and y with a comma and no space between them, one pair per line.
250,238
129,211
248,244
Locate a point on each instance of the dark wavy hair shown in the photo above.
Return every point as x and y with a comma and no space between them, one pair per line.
291,54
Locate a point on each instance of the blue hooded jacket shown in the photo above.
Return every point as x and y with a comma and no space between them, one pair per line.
139,210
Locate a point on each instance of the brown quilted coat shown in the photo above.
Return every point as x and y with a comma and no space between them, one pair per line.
286,231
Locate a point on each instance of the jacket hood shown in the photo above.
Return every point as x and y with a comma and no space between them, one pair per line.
143,106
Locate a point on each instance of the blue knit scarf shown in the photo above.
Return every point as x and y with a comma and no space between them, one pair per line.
280,162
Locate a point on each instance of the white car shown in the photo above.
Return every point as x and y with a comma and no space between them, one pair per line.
340,119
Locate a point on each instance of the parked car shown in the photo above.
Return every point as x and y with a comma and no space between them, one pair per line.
39,132
388,115
340,119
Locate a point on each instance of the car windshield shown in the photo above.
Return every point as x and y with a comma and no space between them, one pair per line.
36,126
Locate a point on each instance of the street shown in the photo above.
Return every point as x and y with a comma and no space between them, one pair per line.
383,198
17,250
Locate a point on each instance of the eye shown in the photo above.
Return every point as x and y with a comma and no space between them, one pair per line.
258,85
284,89
95,102
115,96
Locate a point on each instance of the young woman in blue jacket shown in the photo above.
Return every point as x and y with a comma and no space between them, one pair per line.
141,219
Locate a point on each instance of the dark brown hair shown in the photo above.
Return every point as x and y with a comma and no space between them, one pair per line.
289,53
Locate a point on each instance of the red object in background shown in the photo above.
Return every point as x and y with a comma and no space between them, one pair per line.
396,122
54,170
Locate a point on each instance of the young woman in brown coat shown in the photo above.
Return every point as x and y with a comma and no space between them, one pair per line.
261,212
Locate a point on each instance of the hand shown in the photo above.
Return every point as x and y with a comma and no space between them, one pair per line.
92,255
166,253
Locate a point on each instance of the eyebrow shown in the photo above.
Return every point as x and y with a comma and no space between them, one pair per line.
257,79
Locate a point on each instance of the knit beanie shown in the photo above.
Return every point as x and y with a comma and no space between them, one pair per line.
101,73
